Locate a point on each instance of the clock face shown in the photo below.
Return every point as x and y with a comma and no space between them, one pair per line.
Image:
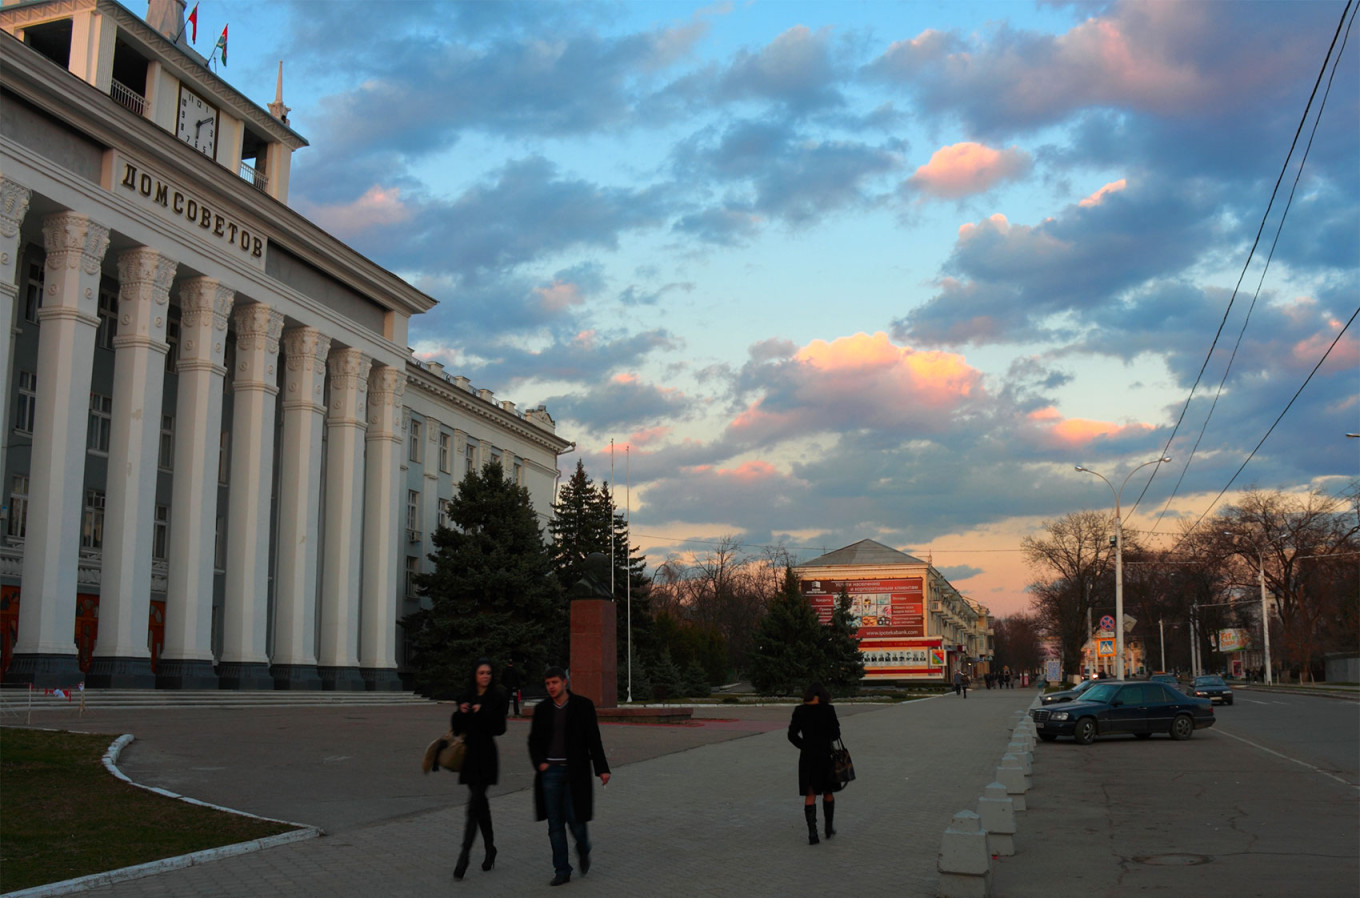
197,122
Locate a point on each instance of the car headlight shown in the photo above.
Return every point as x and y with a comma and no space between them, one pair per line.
1059,715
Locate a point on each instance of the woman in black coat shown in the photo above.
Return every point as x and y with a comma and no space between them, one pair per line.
813,728
479,717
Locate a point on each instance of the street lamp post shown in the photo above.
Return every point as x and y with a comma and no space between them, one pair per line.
1265,608
1119,559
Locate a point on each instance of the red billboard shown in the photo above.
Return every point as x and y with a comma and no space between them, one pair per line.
892,627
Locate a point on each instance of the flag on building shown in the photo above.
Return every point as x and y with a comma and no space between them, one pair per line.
193,24
222,44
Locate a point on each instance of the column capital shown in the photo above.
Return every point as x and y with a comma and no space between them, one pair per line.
386,388
258,327
348,370
144,277
74,241
304,351
14,199
205,308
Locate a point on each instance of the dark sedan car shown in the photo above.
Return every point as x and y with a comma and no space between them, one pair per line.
1117,706
1213,688
1067,695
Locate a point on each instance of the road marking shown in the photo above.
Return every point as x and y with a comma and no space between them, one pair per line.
1287,758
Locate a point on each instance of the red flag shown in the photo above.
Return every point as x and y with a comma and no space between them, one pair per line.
222,44
193,22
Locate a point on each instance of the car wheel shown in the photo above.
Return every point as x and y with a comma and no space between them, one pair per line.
1047,737
1182,727
1085,731
1143,735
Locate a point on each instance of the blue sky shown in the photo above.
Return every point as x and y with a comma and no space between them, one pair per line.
835,271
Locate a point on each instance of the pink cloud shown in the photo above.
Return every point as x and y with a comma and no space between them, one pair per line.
964,169
559,295
1098,197
378,207
1055,430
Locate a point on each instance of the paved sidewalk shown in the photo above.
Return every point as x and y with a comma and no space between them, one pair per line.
684,818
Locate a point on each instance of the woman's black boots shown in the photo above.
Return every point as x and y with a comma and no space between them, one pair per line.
829,813
469,835
810,812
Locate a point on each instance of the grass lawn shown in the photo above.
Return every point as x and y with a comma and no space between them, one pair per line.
62,815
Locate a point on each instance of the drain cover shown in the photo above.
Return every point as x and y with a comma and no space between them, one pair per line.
1174,860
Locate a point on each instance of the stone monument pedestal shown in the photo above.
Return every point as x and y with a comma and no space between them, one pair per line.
594,651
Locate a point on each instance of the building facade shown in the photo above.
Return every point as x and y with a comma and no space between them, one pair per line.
221,462
913,624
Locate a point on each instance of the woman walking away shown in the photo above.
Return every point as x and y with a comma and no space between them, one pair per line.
479,717
813,728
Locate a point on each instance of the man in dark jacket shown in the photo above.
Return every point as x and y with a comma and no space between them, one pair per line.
565,747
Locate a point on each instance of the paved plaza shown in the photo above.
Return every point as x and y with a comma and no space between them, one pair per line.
710,808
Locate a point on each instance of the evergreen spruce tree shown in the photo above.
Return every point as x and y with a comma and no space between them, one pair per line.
844,663
789,643
492,591
585,521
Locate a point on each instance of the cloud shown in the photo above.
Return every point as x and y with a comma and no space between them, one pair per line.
795,69
1099,196
964,169
622,401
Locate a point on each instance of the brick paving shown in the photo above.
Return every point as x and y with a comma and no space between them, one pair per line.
708,809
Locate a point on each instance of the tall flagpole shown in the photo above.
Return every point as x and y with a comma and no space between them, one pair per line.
611,518
628,581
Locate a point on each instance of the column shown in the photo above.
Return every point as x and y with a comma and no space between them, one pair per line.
45,653
121,657
187,658
14,199
304,408
382,563
346,421
244,663
429,491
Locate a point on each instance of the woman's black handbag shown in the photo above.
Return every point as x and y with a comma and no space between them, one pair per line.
842,767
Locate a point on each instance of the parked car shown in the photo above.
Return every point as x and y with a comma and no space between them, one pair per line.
1119,706
1213,688
1169,679
1067,695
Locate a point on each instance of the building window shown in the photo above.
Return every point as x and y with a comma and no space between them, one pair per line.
18,506
220,546
160,537
446,453
496,458
108,315
518,473
101,423
471,459
171,342
413,516
92,533
412,568
445,508
167,454
34,290
413,435
26,408
223,457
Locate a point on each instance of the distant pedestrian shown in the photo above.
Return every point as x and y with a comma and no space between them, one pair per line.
812,729
960,683
479,717
564,747
510,679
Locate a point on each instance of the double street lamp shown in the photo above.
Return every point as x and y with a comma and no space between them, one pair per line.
1119,559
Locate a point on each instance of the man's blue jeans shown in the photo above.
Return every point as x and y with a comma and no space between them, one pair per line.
557,797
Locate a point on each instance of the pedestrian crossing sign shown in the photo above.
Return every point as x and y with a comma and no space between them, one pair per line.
1104,647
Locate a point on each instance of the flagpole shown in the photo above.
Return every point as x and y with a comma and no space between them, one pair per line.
628,575
611,518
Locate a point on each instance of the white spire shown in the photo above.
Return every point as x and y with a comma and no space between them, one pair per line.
276,108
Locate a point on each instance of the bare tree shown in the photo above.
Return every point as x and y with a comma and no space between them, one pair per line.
1072,560
1016,642
1306,546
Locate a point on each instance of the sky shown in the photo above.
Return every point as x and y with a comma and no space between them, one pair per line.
829,271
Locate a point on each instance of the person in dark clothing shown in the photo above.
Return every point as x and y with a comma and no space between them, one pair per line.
813,728
512,683
565,747
479,717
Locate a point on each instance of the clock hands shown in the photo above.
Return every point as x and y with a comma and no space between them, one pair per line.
198,127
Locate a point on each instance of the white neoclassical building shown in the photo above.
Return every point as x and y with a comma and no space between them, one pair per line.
221,463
